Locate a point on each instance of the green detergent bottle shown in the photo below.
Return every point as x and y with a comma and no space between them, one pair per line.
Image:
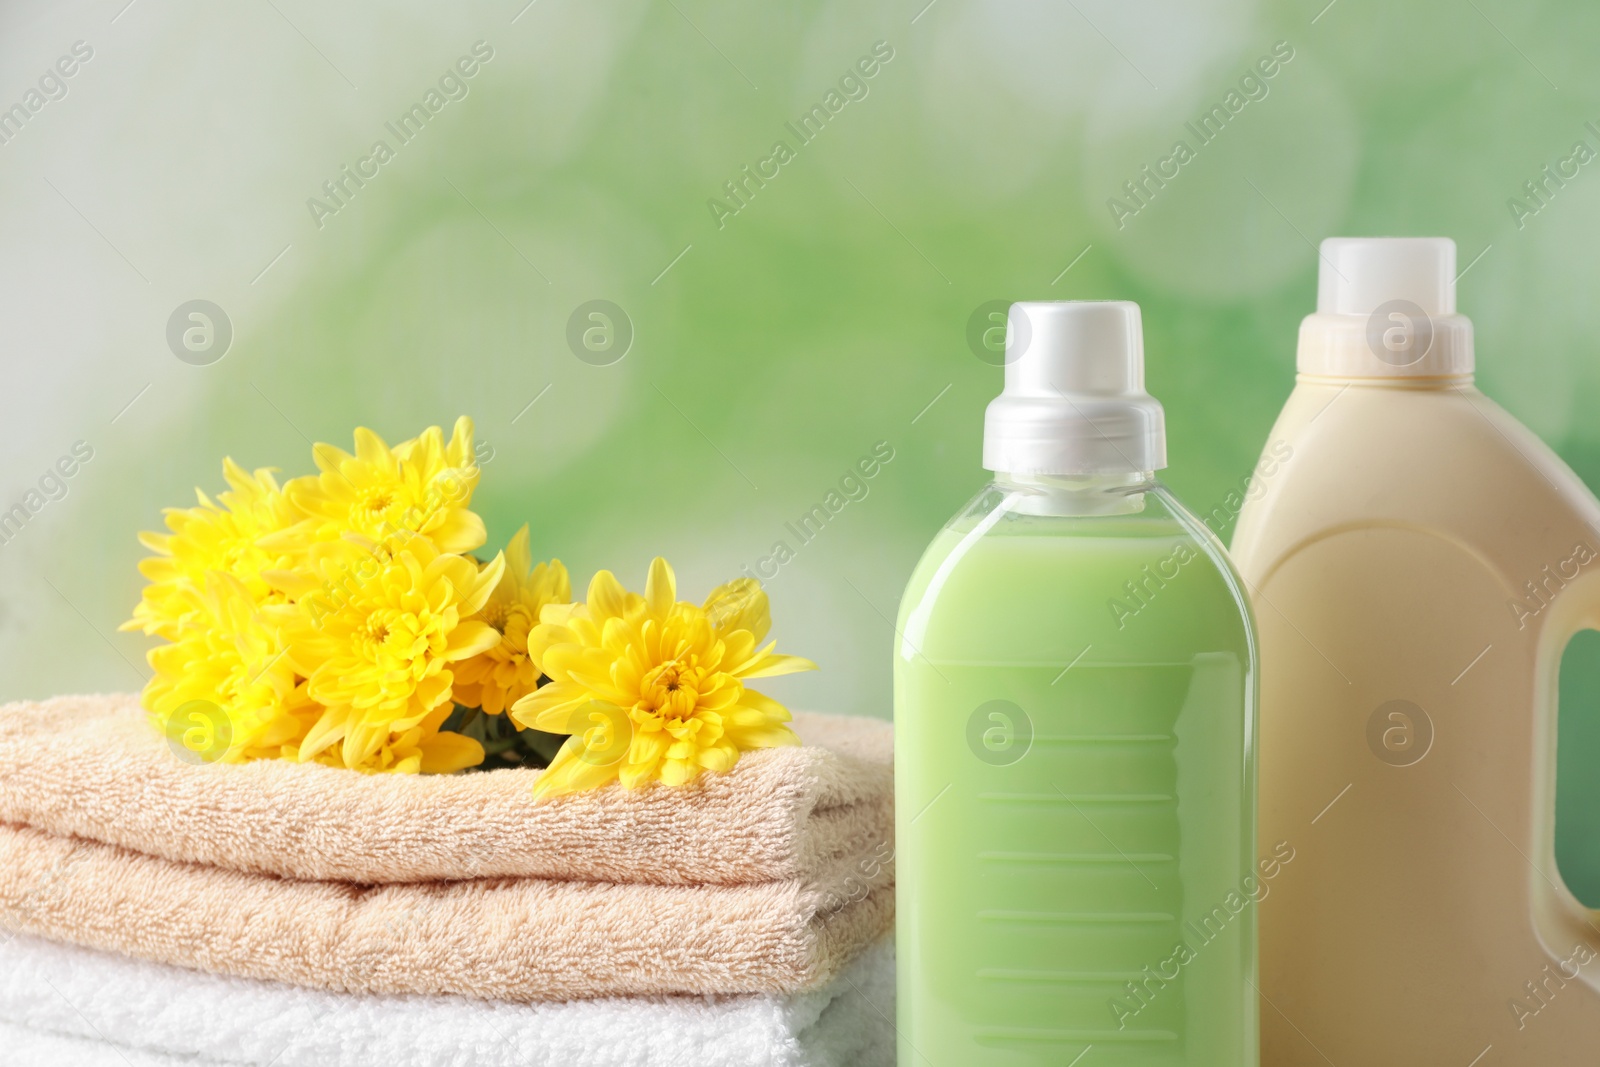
1075,709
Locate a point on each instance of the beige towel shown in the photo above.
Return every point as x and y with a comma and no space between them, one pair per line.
763,880
93,767
517,939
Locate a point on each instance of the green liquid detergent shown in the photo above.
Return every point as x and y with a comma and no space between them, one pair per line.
1074,712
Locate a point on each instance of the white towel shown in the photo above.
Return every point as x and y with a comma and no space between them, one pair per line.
61,1004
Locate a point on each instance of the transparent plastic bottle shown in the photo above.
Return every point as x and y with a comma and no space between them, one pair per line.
1074,714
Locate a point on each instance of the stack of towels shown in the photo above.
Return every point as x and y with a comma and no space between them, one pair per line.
158,912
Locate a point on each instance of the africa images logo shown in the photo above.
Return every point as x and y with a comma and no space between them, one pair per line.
453,84
52,85
1253,85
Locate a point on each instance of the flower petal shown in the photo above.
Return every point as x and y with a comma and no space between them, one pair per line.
569,773
660,588
470,638
459,530
460,452
548,708
371,449
446,753
739,605
766,737
329,728
518,557
476,596
606,598
772,664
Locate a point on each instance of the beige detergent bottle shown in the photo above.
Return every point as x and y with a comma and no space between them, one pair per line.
1418,561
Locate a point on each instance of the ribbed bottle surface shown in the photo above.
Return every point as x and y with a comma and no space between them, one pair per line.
1074,795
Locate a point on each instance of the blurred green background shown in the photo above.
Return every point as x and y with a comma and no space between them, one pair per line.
773,345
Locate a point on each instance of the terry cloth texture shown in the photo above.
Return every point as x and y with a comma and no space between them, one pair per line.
93,767
65,1005
151,871
508,939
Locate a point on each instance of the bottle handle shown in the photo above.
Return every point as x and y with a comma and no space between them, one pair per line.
1581,612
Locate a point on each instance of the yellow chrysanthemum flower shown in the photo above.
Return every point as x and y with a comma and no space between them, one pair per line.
651,687
224,537
423,749
374,630
226,660
496,679
421,486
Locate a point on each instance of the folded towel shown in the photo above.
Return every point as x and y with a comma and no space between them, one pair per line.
65,1005
510,939
32,1048
93,767
136,880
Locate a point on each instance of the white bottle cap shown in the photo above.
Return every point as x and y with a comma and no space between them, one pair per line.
1074,399
1386,308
